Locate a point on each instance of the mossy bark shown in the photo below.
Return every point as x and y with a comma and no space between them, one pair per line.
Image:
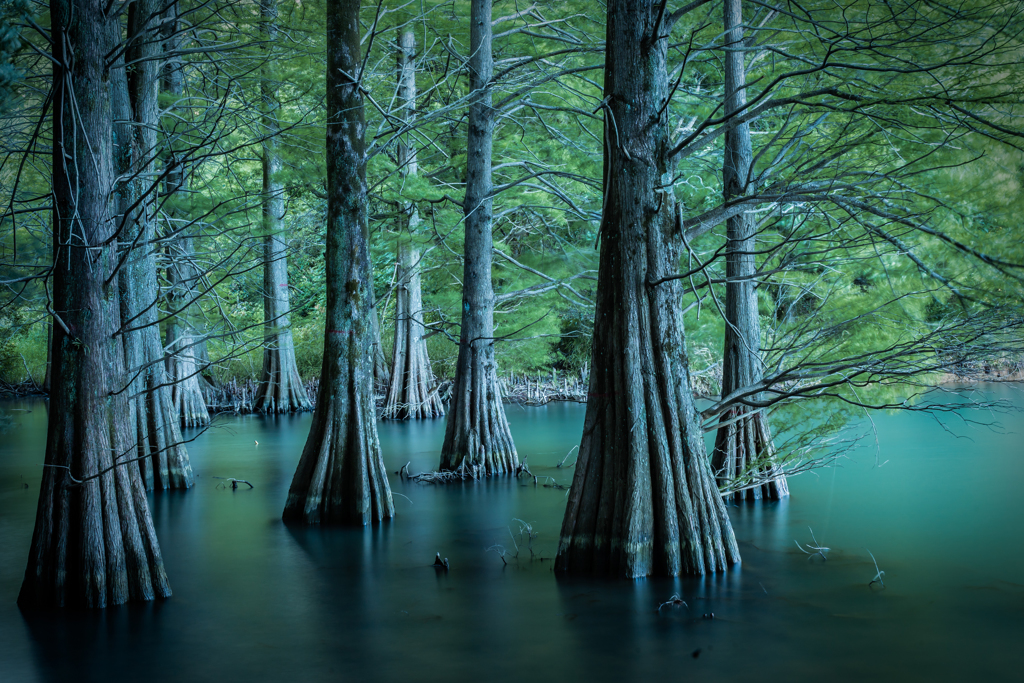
477,435
94,543
643,499
340,477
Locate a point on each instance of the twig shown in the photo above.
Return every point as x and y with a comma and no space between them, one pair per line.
878,572
816,547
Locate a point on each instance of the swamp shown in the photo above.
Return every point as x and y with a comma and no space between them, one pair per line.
481,339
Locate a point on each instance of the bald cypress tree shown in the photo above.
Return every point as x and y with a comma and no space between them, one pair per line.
743,445
477,435
411,391
280,389
94,543
340,478
643,498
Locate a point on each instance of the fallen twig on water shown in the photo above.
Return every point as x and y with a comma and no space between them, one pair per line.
234,482
562,461
674,601
816,547
878,572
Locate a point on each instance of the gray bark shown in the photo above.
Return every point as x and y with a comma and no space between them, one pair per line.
411,392
744,451
643,498
280,389
135,106
340,478
477,434
186,357
94,543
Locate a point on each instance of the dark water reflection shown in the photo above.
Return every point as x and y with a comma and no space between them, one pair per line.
255,600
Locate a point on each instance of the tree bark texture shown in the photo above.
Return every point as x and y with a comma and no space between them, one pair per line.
94,543
136,109
411,392
643,499
280,389
340,478
744,451
477,434
186,355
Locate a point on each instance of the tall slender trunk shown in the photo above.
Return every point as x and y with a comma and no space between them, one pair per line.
49,356
94,543
411,391
280,389
643,498
477,434
186,357
743,445
340,478
135,107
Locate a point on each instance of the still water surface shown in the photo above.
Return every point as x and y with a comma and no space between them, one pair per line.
257,601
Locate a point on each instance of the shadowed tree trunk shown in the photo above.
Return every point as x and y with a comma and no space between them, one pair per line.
149,392
411,391
643,498
743,445
340,478
280,389
94,543
185,351
477,435
381,374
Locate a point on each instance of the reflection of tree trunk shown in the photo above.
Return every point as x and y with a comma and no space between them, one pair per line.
94,544
477,433
743,445
340,477
410,392
280,389
643,497
135,100
185,350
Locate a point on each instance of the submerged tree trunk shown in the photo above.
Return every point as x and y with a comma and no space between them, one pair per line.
186,354
149,392
477,435
744,451
411,391
280,389
94,543
340,477
643,498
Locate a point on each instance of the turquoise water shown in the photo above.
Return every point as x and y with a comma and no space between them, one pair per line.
255,600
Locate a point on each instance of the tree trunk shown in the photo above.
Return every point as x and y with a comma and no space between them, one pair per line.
477,435
49,356
381,374
340,477
94,543
186,357
280,389
643,498
411,391
135,105
743,445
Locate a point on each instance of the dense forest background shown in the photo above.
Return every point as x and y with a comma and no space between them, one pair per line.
822,271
